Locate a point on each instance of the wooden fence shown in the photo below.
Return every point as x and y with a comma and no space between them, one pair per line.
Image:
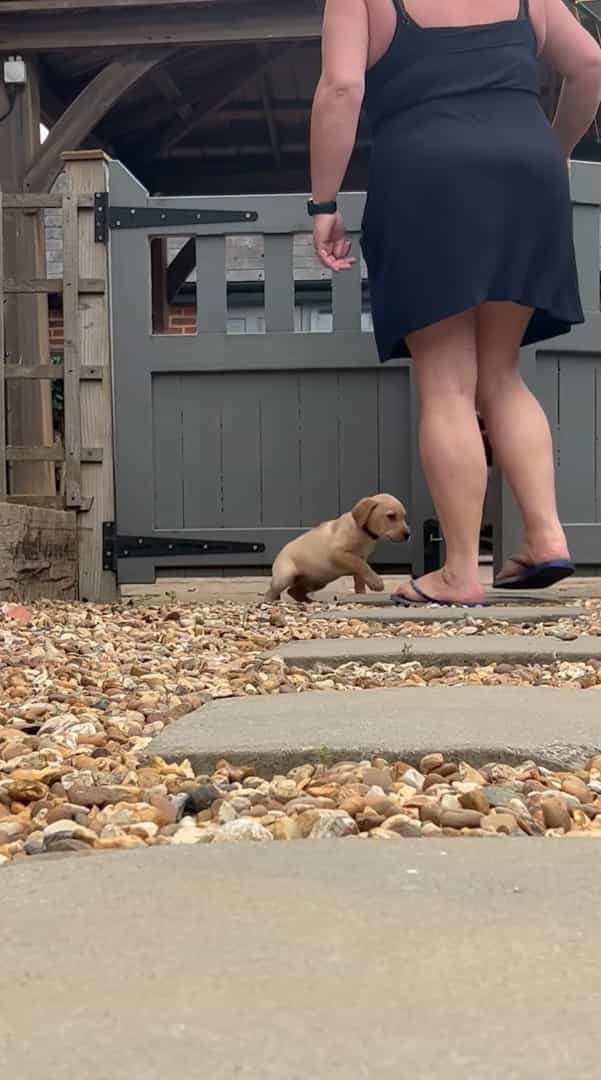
86,456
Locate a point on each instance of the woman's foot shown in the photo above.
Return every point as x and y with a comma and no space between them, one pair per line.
533,555
443,587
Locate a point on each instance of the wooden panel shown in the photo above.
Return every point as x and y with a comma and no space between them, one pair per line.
202,449
346,296
358,427
280,449
211,288
2,364
598,440
87,372
394,423
279,284
319,411
71,357
241,450
35,453
167,435
44,202
576,481
51,286
87,173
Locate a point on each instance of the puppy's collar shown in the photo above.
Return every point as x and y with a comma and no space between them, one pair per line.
368,532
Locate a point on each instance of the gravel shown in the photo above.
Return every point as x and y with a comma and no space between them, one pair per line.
83,690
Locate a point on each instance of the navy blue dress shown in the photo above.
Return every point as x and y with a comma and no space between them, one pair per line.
468,196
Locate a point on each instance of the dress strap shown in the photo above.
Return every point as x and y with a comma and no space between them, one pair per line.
403,14
524,12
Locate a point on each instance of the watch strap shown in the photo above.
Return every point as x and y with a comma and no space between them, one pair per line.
315,208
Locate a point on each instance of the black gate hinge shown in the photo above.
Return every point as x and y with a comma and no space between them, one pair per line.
108,217
116,547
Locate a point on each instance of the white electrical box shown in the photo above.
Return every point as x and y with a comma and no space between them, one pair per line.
15,73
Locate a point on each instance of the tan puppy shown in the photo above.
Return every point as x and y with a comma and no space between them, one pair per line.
337,548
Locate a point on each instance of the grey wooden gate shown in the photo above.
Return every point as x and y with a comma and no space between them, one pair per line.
242,439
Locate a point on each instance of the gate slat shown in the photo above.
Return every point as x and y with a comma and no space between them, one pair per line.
279,283
167,451
280,456
586,239
346,294
202,449
320,489
211,288
358,436
241,428
598,440
576,472
394,424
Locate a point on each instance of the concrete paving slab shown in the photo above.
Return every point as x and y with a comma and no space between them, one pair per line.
391,614
489,649
285,961
560,728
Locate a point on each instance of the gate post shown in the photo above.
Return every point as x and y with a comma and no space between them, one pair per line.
87,173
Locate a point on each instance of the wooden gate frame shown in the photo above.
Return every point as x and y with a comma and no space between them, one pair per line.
85,371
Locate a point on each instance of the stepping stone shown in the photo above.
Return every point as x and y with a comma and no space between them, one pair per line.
447,960
393,614
559,728
481,649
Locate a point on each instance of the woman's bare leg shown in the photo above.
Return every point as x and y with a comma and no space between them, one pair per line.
518,431
452,453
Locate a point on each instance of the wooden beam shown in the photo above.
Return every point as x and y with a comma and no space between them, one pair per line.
50,286
180,268
88,108
168,87
237,23
222,90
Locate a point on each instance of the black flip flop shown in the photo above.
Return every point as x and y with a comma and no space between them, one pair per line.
403,601
538,575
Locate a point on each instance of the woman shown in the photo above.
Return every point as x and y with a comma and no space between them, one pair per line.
467,237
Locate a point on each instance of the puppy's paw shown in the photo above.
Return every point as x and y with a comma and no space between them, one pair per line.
376,584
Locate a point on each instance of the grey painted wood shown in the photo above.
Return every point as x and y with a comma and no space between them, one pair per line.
259,435
167,431
279,284
319,449
587,240
211,288
202,449
241,453
576,466
280,449
346,294
358,432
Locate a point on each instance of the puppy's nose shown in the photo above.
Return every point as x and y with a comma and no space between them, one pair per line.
407,534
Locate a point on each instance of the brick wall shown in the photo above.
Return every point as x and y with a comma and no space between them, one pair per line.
182,320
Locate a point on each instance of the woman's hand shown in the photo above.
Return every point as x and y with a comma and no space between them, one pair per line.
331,245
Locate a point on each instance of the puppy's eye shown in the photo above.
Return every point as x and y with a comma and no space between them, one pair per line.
391,515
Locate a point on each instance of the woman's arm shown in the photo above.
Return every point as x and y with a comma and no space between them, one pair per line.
575,54
335,118
339,95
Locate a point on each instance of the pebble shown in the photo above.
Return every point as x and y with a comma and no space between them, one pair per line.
83,689
242,830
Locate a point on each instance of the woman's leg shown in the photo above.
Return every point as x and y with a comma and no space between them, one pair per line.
452,453
518,431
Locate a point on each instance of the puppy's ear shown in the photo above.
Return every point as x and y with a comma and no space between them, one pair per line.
362,510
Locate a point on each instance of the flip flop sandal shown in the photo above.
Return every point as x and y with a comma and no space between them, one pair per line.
403,601
538,575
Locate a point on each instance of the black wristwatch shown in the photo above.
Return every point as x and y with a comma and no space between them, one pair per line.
315,208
